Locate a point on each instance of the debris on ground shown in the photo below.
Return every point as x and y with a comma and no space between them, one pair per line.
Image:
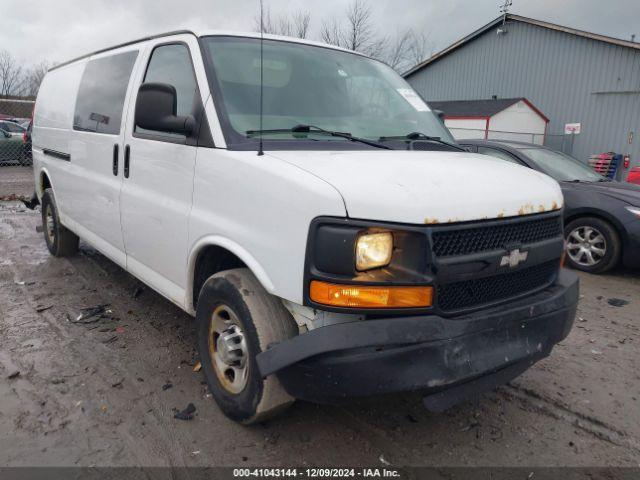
117,384
197,367
42,308
617,302
137,292
187,413
92,314
14,374
383,460
167,386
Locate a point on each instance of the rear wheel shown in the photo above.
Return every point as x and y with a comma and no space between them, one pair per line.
593,245
60,241
236,320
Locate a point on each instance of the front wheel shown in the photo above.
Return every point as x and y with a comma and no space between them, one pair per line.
592,245
236,320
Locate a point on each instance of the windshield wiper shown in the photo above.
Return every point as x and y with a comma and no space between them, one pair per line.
422,136
314,129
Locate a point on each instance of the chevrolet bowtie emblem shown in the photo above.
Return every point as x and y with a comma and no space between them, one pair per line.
514,258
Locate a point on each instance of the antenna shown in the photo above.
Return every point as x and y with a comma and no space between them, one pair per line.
504,10
260,150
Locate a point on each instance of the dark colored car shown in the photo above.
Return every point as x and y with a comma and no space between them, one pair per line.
27,156
10,148
602,216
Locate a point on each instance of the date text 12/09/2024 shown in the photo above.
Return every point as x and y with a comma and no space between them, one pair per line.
316,472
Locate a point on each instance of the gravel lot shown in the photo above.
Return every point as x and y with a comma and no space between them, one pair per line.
104,393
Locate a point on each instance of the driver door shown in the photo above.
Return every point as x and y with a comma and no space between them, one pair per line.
158,176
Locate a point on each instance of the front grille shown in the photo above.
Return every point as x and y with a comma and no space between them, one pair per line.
475,239
482,291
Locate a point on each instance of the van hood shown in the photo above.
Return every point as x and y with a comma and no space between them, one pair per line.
428,187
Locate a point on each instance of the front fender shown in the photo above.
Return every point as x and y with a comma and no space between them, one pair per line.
223,242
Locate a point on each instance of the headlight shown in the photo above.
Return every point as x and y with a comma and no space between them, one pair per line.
634,210
373,250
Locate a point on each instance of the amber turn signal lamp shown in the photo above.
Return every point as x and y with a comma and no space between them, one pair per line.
364,296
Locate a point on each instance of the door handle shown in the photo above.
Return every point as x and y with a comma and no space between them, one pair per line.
116,150
127,154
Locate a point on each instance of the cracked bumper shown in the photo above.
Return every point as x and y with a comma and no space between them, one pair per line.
446,358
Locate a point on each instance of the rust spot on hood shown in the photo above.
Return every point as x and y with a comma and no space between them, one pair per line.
554,206
430,220
526,209
542,208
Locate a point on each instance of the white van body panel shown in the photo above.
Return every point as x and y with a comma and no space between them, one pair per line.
416,186
264,206
52,125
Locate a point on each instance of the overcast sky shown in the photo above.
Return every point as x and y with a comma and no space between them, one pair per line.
57,30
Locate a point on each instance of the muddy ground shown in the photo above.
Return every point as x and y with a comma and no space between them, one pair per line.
99,394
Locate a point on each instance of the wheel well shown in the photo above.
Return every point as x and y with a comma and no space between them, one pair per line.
44,182
211,260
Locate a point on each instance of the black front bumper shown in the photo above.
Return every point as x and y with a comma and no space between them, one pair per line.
462,355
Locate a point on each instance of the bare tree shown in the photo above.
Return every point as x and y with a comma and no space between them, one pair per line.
406,50
357,32
33,78
420,49
301,21
399,50
11,77
294,25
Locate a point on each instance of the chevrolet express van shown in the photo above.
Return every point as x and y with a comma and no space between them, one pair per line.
311,212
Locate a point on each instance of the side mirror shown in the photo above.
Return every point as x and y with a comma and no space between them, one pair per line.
439,114
156,108
6,134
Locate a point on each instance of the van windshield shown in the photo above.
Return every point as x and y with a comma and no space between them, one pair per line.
309,85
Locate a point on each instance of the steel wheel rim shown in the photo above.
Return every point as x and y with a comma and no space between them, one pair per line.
228,349
586,246
49,225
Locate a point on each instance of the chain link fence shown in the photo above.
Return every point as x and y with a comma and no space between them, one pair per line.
563,143
15,131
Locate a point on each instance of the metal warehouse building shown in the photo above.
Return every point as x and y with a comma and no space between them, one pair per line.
572,76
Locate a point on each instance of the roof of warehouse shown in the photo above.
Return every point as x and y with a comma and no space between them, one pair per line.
479,108
531,21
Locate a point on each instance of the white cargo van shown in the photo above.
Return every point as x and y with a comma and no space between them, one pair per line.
310,211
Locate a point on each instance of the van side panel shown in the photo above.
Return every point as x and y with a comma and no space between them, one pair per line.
52,124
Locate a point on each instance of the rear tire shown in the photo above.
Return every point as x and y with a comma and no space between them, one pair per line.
236,320
60,241
593,245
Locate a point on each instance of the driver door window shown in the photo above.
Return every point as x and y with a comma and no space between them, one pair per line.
171,64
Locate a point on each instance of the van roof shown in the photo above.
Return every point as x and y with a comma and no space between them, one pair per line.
205,33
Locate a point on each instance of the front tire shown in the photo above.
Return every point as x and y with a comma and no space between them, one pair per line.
593,245
60,241
236,320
